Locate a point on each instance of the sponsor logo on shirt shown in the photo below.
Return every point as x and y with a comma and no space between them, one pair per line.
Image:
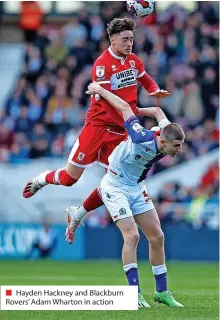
108,195
124,74
123,79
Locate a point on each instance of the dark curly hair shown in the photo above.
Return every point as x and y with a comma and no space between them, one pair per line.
118,25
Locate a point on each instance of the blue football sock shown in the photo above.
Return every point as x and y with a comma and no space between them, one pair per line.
160,275
131,271
161,282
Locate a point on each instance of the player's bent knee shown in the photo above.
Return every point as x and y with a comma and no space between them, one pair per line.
157,239
132,238
66,179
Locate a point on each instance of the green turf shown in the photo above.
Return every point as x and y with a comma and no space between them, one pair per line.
193,284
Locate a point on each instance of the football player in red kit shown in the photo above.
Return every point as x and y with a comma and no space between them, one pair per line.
117,69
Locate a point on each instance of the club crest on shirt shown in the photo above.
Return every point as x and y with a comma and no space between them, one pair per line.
132,63
100,71
137,157
81,156
122,211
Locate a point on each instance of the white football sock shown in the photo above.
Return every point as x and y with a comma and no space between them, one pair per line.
41,178
129,266
80,213
159,269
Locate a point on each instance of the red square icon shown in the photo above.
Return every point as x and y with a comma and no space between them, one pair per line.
8,292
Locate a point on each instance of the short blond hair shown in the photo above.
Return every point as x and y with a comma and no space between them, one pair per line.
172,132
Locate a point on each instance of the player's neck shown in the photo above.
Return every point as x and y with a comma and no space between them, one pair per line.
118,54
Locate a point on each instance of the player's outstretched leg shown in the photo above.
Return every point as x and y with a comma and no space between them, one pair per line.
56,177
74,215
35,185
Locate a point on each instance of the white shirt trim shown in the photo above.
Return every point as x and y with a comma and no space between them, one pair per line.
103,82
83,165
141,75
115,56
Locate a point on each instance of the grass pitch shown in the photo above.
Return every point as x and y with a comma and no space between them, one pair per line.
193,284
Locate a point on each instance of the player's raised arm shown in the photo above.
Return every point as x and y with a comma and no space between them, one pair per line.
154,112
151,87
115,101
138,133
148,83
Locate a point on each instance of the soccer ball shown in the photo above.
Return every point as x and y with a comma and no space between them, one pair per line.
140,8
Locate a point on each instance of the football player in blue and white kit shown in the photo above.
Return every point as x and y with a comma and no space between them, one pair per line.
124,192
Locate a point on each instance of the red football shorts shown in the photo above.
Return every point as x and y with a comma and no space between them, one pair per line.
94,145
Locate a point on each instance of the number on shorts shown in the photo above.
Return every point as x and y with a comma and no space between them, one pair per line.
146,197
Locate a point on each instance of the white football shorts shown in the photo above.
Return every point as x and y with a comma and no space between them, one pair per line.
123,200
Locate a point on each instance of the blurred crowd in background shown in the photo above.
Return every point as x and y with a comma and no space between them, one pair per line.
46,109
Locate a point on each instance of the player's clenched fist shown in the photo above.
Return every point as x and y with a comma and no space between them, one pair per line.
93,88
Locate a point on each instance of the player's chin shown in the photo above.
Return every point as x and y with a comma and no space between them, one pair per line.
127,52
172,155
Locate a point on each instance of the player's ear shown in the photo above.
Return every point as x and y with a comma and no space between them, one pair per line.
112,39
162,141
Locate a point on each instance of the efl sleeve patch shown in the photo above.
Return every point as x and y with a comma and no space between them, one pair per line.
100,71
137,133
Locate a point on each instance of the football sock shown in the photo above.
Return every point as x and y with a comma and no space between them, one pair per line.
80,213
160,275
131,271
93,202
60,176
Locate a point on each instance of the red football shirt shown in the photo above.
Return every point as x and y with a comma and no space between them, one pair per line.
119,76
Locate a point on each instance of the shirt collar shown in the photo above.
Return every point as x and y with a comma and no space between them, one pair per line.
115,56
